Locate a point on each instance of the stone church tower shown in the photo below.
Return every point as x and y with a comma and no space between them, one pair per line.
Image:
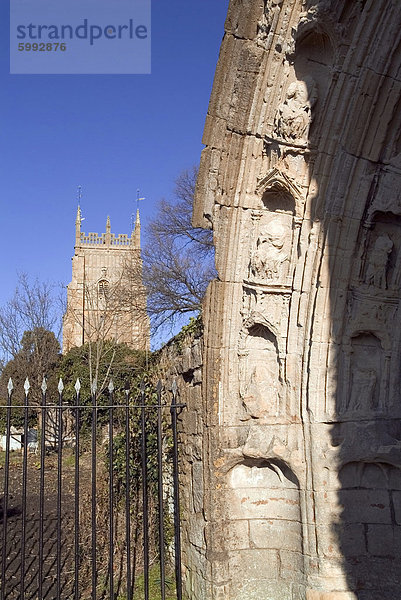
106,298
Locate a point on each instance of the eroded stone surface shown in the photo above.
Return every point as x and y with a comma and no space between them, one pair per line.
300,178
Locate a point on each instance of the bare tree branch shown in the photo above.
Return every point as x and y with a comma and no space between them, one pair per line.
32,308
178,258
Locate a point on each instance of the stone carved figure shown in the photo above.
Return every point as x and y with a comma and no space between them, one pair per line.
362,388
293,116
260,394
376,271
366,369
271,252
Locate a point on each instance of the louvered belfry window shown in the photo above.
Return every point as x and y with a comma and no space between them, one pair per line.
103,287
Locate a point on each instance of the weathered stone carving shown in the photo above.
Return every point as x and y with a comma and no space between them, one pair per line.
260,396
270,255
365,372
380,264
376,271
294,116
280,192
261,392
269,261
270,15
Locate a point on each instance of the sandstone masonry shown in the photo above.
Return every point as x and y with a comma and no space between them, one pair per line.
301,181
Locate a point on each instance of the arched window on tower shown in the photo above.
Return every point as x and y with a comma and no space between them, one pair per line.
103,288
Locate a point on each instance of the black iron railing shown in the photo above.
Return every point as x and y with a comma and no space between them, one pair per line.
91,510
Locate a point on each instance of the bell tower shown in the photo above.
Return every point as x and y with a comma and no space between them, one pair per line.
106,298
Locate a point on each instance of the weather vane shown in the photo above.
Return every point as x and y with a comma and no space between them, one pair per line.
138,198
79,196
133,216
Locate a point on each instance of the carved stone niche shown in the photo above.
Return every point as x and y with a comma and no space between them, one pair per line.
275,231
363,377
279,193
313,61
261,368
380,264
272,305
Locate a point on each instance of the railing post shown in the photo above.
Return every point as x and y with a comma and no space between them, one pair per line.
76,490
94,467
24,486
59,429
6,489
42,486
177,533
160,489
128,492
144,464
111,490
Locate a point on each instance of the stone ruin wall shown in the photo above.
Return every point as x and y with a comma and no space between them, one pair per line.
300,182
182,360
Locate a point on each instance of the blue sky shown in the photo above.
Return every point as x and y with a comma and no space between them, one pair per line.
111,134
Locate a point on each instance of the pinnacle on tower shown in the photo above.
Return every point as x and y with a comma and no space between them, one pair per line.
136,234
108,231
78,222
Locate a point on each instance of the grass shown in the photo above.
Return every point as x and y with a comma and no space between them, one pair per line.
139,587
15,458
154,586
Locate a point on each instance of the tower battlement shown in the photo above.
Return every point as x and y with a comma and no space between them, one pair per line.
96,239
122,240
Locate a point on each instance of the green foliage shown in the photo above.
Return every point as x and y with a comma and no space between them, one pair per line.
135,437
193,328
38,357
154,586
117,362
